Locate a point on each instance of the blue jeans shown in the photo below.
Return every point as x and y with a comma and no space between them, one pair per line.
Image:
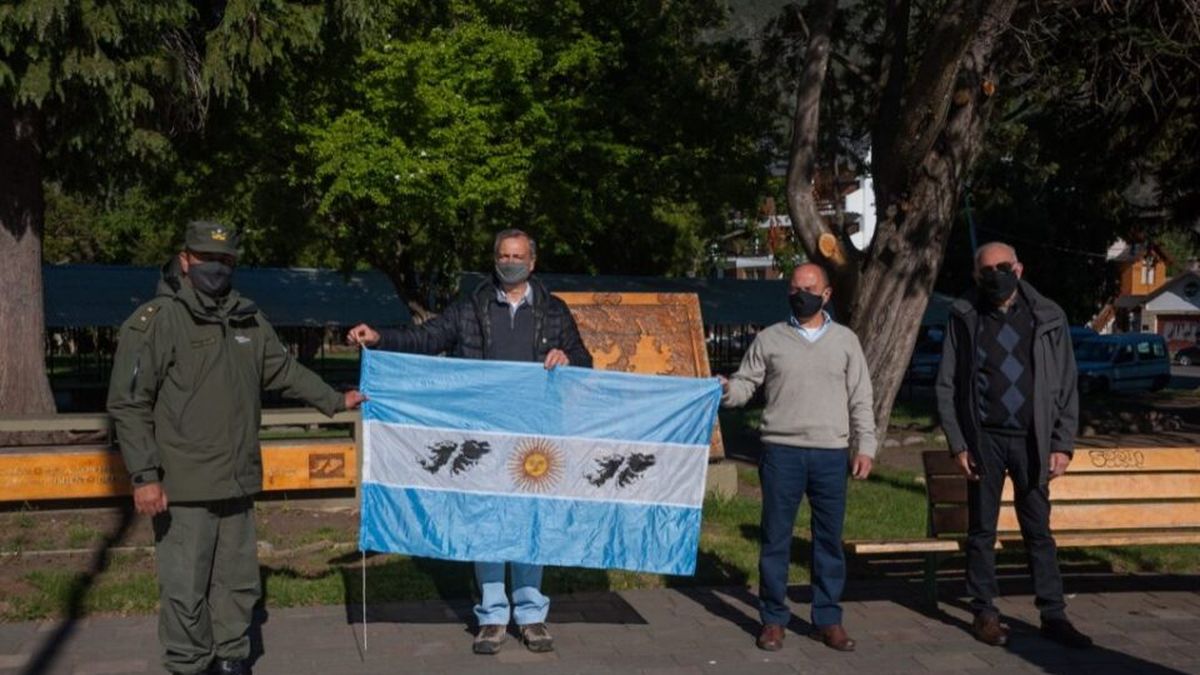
787,475
528,603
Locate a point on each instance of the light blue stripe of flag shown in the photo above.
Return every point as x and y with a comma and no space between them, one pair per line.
526,398
511,528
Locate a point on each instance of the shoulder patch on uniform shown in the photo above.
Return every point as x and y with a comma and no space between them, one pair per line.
144,317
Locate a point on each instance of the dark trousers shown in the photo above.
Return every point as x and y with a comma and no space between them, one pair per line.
208,582
1017,456
787,475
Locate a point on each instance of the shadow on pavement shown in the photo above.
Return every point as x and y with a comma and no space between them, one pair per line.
577,595
1027,642
43,660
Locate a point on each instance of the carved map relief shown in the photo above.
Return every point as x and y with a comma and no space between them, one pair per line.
649,333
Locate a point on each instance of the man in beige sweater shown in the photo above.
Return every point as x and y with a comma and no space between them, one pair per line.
819,401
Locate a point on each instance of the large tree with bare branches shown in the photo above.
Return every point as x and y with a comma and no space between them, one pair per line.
928,82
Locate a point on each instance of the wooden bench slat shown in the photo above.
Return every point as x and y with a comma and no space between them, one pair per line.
1124,516
1160,537
904,546
946,489
939,462
99,472
1067,540
1116,487
1082,517
309,466
1092,460
950,520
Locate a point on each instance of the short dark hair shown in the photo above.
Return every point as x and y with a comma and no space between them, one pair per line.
513,233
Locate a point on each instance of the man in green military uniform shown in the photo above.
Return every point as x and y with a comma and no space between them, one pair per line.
184,397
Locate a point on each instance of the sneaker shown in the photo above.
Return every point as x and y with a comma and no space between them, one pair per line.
489,639
537,637
1064,633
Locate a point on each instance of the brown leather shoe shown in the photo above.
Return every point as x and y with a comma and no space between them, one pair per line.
834,637
987,629
770,637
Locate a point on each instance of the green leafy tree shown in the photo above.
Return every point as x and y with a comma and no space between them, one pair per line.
611,130
439,151
93,94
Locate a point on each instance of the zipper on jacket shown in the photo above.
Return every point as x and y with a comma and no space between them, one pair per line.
539,321
237,451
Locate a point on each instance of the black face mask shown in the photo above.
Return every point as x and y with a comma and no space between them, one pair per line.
805,304
212,278
997,285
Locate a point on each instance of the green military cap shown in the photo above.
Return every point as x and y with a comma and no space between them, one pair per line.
204,236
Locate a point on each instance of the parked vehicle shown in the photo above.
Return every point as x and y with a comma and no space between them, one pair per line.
1126,362
1188,356
926,356
1080,334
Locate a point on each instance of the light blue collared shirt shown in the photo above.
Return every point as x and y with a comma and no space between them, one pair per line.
526,299
811,334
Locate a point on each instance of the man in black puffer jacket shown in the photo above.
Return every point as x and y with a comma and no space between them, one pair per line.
508,318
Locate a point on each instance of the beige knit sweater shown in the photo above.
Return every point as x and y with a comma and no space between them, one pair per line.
818,393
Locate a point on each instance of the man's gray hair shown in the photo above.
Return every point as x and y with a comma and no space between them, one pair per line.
991,245
513,233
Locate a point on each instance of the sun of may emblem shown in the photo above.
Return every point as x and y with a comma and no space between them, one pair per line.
536,465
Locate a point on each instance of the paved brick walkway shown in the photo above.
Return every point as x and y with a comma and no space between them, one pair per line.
1151,625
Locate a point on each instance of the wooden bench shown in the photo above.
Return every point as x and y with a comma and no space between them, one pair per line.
1108,497
97,471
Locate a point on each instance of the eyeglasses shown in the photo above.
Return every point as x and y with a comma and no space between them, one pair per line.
1005,267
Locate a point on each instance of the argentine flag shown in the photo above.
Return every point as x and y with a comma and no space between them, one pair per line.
509,462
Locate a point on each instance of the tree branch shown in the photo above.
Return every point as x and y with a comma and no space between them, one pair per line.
893,73
861,75
806,220
927,98
854,69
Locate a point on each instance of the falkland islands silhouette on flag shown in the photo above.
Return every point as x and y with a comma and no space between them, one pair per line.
503,461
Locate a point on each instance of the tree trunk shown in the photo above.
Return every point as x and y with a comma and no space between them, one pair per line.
814,234
895,286
915,219
24,387
927,134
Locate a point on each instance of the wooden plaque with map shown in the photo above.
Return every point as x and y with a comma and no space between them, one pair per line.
650,333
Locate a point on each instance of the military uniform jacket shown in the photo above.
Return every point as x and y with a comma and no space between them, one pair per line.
184,393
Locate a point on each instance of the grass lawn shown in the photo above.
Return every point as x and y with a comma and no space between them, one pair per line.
890,504
316,562
311,558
